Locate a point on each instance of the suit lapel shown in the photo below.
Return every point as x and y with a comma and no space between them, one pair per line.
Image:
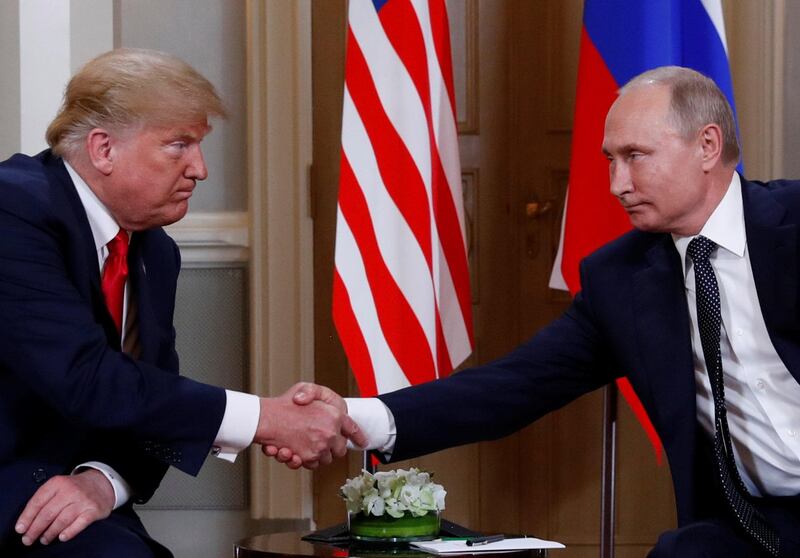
140,291
772,247
662,321
663,335
83,247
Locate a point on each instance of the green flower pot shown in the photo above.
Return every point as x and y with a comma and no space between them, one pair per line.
394,529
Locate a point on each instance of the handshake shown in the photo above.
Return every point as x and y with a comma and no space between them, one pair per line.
306,426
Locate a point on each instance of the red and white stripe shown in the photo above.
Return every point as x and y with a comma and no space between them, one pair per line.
401,296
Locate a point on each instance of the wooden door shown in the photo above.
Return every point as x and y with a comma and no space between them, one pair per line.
516,64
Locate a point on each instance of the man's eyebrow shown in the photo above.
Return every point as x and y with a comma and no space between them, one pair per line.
186,135
627,148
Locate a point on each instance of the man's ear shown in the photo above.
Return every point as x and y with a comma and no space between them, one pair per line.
98,148
711,144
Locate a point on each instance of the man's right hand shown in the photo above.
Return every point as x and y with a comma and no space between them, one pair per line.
64,506
309,424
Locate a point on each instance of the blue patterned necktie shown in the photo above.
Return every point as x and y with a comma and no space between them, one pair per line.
709,321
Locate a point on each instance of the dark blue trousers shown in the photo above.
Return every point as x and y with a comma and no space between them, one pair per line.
121,535
715,538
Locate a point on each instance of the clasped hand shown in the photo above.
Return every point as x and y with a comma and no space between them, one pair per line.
306,426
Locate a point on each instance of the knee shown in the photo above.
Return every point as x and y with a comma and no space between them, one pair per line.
701,540
102,539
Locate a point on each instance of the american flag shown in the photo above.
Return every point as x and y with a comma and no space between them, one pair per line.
401,295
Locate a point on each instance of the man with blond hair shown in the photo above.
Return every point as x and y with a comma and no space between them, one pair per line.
92,409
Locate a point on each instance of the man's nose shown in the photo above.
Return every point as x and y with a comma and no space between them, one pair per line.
197,165
619,179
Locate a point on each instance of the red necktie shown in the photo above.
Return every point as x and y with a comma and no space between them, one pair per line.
115,273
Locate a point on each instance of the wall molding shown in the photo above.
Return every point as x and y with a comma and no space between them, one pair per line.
213,239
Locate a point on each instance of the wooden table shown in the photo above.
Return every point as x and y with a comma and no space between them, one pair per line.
289,545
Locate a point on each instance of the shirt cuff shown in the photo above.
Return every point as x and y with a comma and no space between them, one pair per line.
238,427
122,490
375,419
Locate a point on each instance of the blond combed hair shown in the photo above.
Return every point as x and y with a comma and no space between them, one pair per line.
695,102
128,88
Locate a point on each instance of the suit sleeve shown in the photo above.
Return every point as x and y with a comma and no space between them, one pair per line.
50,341
562,362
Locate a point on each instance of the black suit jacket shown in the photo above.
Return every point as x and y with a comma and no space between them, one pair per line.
67,393
631,318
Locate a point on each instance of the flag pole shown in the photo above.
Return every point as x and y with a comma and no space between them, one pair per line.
608,472
368,463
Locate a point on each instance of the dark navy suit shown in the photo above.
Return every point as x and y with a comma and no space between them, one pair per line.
67,393
630,318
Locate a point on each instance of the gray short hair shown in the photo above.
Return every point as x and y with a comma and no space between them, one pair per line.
127,88
695,102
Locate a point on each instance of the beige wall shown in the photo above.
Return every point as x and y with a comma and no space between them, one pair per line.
210,35
756,52
791,95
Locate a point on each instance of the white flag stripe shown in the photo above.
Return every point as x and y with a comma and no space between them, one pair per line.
354,277
395,88
444,124
714,10
454,327
399,249
557,281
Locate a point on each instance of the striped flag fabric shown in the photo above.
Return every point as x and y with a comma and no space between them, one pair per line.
401,294
619,40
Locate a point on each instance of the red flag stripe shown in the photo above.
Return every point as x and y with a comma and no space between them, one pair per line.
399,249
588,203
350,267
441,39
401,176
405,33
447,192
355,347
453,246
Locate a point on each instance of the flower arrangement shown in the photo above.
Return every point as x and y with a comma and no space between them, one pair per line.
397,493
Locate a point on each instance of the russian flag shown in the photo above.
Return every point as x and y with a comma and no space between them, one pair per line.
621,39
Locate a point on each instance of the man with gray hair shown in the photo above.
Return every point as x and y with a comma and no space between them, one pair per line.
92,409
698,307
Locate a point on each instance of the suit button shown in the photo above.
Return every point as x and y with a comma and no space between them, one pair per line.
39,476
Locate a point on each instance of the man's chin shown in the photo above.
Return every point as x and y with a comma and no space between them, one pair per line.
163,219
642,223
179,212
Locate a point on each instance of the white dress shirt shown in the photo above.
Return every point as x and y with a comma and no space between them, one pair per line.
762,397
238,427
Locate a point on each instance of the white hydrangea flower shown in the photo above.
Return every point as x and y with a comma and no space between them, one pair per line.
373,503
394,493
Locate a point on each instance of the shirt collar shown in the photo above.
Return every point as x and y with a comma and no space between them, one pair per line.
725,226
104,227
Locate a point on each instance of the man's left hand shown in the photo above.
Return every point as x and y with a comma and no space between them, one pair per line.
64,506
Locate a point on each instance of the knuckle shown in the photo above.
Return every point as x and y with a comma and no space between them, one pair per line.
47,515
